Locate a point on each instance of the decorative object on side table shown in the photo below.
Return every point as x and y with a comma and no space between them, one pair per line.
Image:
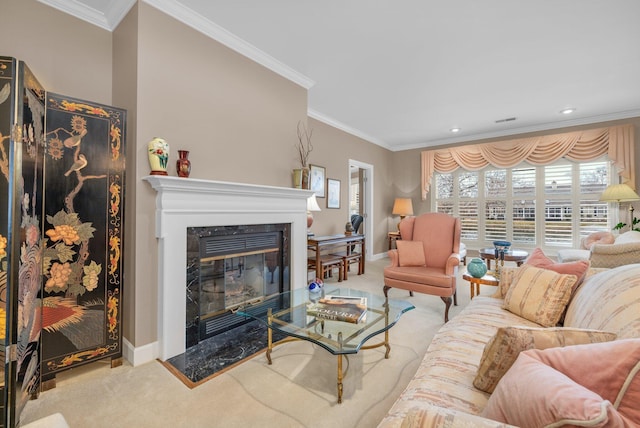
183,164
304,147
158,151
402,207
477,267
348,229
500,247
312,205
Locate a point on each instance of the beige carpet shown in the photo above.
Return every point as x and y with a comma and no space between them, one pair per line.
298,390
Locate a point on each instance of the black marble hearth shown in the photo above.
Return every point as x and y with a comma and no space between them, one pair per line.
222,351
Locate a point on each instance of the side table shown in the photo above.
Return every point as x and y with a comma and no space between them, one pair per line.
393,237
487,279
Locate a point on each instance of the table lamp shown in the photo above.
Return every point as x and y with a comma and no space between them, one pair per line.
621,193
312,205
402,207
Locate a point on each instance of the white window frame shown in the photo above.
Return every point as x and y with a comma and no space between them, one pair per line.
540,199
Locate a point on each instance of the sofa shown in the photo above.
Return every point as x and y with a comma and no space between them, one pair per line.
604,249
604,308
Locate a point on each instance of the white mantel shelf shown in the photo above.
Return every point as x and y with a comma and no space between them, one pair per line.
186,202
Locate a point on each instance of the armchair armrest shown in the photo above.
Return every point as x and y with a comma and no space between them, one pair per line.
394,258
452,264
614,255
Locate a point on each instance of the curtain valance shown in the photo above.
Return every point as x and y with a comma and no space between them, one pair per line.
617,142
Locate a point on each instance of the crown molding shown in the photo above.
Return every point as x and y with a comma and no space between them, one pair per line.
107,20
205,26
346,128
433,144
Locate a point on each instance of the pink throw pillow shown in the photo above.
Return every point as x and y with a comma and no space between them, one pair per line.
532,395
601,380
578,268
611,370
598,238
410,253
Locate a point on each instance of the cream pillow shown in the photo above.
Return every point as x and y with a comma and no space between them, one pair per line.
410,253
539,295
504,347
506,278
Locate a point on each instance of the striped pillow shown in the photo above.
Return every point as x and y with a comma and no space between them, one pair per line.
539,295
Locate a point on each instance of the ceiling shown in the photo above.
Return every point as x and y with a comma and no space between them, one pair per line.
402,74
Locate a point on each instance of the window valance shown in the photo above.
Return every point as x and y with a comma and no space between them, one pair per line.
617,142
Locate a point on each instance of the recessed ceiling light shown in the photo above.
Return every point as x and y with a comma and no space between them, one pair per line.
567,111
455,130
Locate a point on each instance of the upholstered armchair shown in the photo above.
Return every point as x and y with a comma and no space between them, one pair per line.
426,258
604,250
625,250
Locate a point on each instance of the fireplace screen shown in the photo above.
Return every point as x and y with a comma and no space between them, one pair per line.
233,266
229,281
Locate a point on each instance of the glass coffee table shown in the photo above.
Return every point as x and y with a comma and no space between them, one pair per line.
287,313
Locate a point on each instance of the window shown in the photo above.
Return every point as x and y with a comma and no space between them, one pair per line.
552,206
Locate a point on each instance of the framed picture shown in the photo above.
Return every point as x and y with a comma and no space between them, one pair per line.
333,190
316,180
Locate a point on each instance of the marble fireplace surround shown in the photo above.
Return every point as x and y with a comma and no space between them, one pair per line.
188,202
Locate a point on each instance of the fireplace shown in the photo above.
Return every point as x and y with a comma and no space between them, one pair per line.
183,203
229,267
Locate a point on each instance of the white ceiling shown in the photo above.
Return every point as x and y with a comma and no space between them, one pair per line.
402,73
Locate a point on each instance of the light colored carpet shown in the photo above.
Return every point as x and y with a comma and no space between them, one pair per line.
297,390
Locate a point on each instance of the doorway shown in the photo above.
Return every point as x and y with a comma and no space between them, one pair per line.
361,198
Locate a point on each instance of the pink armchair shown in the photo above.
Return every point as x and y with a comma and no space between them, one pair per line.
426,259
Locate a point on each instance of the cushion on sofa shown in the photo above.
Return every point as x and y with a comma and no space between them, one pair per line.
628,237
597,238
610,371
504,347
608,301
506,278
539,259
433,416
410,253
539,295
578,268
532,394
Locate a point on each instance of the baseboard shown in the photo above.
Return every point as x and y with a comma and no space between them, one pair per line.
140,355
379,256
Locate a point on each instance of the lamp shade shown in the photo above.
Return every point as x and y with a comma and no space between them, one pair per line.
312,203
619,193
402,207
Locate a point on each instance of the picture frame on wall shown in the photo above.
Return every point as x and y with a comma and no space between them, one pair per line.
316,180
333,193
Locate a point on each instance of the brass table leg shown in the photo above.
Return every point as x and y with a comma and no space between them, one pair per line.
386,332
339,378
269,335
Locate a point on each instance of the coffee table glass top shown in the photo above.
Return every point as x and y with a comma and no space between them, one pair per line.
287,313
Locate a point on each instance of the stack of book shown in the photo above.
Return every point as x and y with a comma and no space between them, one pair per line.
339,308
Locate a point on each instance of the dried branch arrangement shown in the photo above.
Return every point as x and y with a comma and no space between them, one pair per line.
304,144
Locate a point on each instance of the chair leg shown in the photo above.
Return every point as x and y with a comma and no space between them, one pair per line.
455,297
411,293
385,289
447,302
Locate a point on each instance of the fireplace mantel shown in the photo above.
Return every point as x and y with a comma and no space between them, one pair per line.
187,202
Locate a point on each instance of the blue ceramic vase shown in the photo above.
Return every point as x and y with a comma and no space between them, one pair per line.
477,268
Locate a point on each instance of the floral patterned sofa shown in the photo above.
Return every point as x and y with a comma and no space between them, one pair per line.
605,306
